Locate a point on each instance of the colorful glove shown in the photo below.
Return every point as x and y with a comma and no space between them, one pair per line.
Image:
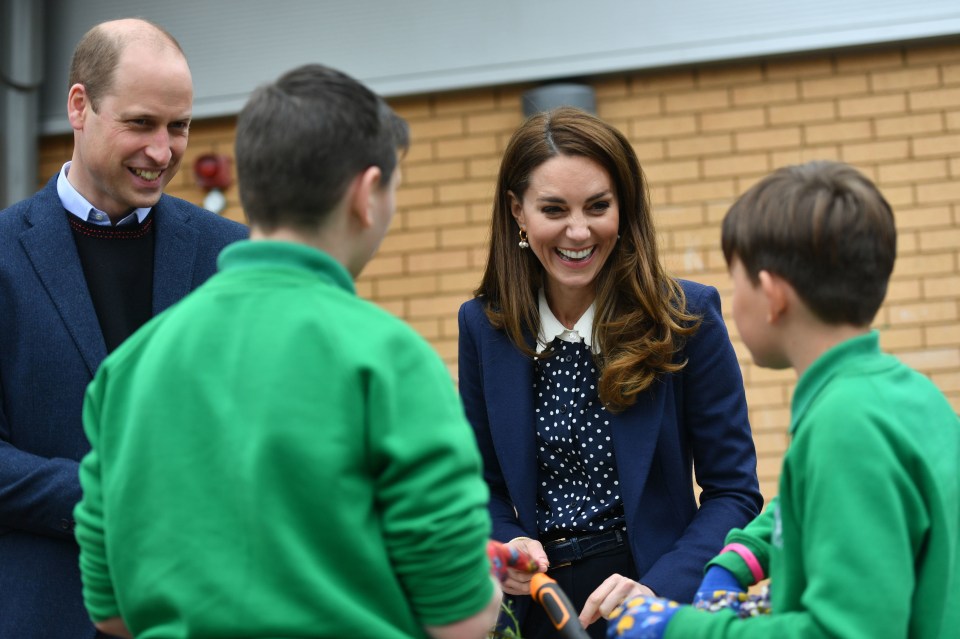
503,556
641,618
719,589
741,603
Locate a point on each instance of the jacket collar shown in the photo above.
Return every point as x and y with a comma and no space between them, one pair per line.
52,251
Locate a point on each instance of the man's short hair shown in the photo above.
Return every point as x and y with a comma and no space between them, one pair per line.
302,139
97,56
823,227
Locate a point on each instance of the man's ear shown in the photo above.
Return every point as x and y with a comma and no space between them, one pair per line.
363,193
77,104
776,290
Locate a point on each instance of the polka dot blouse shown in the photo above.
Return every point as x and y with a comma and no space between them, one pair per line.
578,490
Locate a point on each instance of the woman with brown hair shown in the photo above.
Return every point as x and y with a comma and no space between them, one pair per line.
597,384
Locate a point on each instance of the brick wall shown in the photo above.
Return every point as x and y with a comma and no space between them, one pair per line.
703,135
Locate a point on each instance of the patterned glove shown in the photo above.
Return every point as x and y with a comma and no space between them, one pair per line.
719,589
641,618
742,604
503,556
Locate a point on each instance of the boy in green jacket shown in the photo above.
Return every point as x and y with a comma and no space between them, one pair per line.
274,456
864,538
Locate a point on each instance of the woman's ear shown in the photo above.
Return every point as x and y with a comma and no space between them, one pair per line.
516,209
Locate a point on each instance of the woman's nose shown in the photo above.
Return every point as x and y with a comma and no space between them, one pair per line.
578,228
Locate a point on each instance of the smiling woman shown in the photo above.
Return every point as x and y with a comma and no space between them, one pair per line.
581,353
570,216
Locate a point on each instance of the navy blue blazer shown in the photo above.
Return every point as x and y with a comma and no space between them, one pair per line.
50,347
693,419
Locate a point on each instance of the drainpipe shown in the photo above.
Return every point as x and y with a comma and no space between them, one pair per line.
21,72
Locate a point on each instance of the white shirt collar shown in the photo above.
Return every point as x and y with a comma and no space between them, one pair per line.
80,207
551,328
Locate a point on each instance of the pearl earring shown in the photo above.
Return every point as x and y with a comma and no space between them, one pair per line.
523,239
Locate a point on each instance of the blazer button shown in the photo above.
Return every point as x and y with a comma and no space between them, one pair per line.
66,524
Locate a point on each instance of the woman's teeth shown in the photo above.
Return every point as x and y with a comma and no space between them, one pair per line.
575,255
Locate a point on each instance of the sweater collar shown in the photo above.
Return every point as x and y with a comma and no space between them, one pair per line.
835,360
285,255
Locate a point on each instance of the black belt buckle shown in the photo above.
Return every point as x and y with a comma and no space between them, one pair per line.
558,542
566,550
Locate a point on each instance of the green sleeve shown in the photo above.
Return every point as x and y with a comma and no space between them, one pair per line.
98,593
858,510
689,623
430,487
756,537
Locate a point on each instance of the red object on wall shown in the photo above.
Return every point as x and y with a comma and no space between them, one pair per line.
212,171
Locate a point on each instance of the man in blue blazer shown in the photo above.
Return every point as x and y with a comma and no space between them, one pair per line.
83,263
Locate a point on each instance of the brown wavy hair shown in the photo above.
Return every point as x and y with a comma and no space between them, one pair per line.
641,318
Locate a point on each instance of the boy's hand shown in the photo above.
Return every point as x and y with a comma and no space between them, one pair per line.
642,618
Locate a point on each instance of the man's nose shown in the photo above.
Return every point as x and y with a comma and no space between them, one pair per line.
159,150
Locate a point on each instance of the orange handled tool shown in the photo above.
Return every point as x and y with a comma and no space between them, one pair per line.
558,607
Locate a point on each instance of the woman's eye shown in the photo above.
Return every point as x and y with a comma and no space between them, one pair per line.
599,208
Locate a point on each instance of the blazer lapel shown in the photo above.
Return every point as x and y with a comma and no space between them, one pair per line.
508,376
52,251
635,434
175,254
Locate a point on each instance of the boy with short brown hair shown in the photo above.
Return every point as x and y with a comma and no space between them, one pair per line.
864,538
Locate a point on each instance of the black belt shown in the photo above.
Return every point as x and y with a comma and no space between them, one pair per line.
567,550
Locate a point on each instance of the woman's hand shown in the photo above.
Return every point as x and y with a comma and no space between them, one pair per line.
611,593
517,582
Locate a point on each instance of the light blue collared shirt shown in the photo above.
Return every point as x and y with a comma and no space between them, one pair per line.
80,207
551,328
